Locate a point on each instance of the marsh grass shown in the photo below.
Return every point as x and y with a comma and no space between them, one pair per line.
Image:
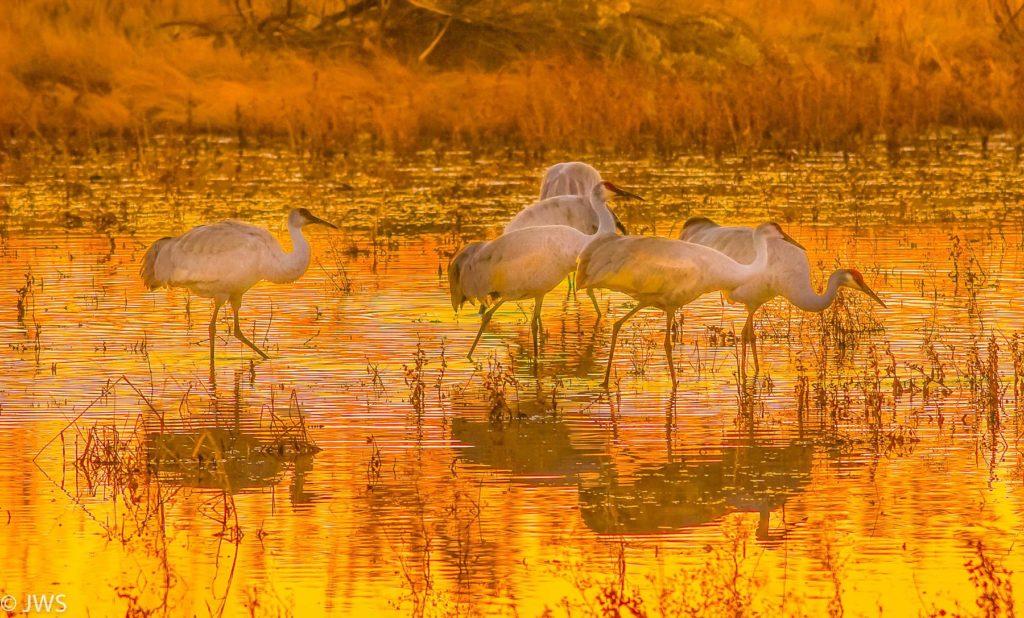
376,381
992,583
414,376
123,456
373,464
131,471
993,586
1016,347
338,280
725,583
502,390
829,76
640,345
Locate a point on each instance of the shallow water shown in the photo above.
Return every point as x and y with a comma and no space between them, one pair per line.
861,469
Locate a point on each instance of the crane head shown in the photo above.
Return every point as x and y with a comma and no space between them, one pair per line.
853,279
610,190
774,230
300,217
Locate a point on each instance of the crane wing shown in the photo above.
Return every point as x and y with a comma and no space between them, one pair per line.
656,271
736,242
571,210
523,264
225,252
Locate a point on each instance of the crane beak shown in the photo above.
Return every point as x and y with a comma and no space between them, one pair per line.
618,223
315,219
622,192
864,288
786,237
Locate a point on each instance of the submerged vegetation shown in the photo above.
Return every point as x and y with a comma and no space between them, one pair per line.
402,74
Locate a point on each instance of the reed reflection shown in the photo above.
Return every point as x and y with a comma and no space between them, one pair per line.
223,443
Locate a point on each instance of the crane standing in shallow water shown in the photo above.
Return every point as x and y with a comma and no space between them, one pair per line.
788,274
522,264
565,200
667,274
223,260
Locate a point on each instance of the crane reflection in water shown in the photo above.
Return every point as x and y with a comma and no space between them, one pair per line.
752,470
746,476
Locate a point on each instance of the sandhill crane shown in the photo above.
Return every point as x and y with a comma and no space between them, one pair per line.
788,274
223,260
522,264
666,274
565,200
568,178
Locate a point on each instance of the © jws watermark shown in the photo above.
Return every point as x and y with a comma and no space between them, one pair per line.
31,603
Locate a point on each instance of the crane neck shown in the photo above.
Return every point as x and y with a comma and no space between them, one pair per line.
808,300
605,218
292,264
743,273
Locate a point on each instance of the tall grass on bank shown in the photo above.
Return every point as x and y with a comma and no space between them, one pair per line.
825,74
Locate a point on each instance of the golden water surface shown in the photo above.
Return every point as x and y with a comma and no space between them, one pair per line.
369,468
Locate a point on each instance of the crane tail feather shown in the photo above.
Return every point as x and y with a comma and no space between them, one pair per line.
148,272
584,266
456,270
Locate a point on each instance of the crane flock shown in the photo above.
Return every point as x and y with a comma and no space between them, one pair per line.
569,231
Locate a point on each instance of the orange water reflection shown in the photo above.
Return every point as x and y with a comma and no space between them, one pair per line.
827,474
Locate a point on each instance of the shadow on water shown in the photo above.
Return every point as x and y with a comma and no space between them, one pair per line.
750,472
517,424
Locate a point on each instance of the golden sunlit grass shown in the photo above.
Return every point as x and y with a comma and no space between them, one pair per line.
824,74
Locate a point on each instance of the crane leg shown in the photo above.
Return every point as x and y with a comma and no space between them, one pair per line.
236,304
748,337
217,304
743,350
669,319
753,345
593,299
615,335
483,325
535,326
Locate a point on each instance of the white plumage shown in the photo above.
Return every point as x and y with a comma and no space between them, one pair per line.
788,274
523,264
565,200
568,178
666,274
223,260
